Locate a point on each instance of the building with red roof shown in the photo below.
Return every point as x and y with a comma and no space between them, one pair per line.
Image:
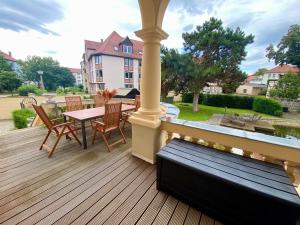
76,72
11,60
112,63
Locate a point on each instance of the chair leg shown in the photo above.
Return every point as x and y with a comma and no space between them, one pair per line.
123,137
54,147
106,142
46,138
94,136
72,132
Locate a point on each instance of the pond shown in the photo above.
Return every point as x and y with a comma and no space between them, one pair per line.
287,132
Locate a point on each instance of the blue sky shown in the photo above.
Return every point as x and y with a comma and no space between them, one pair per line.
59,28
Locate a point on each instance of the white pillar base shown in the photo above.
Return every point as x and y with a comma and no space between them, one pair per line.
146,137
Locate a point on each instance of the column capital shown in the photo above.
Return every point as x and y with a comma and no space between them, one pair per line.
153,34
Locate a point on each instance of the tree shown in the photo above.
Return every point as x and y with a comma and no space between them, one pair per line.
53,75
288,49
288,86
9,81
216,52
260,72
4,65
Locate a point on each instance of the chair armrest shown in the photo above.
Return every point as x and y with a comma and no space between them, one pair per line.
99,123
62,124
56,120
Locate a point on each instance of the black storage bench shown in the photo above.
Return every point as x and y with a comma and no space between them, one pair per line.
228,187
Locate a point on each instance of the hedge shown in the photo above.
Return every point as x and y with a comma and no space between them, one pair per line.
230,101
267,106
24,90
21,116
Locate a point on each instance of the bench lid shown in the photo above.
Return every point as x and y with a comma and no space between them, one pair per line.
255,175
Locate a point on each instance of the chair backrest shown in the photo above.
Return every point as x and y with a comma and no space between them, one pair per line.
73,103
43,115
28,102
137,102
99,100
112,115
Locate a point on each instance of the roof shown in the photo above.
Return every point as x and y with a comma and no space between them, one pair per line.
8,56
284,69
75,70
251,77
114,40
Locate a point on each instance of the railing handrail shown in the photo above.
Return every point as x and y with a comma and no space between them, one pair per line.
276,147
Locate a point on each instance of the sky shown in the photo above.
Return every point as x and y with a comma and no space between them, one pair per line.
58,28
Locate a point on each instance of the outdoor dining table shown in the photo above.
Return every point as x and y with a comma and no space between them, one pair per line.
88,114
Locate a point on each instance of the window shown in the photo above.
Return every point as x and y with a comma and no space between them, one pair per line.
99,73
245,91
128,62
140,62
98,59
139,75
127,49
128,85
128,75
101,86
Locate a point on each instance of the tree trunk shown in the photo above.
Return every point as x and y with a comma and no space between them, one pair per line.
195,102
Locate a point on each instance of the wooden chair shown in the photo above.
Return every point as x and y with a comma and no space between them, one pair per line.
126,115
57,129
73,103
99,101
111,122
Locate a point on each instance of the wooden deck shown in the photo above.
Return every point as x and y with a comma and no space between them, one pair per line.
79,186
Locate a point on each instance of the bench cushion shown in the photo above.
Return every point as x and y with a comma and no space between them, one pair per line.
229,187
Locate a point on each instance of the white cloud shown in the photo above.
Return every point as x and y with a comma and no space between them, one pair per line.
268,20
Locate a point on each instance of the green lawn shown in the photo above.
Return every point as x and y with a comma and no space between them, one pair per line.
205,112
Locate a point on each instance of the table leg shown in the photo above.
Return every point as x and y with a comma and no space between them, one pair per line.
83,134
65,120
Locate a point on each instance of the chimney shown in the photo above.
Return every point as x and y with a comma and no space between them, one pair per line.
9,53
101,40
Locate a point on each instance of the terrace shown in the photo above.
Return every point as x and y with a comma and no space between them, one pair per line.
94,186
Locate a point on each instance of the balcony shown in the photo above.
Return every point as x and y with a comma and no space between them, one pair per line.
128,80
99,79
128,68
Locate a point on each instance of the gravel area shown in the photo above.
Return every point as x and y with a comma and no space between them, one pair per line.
5,126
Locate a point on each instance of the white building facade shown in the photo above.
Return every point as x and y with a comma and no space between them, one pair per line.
76,72
113,63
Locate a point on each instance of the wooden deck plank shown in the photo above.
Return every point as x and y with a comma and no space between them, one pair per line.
138,210
193,217
79,206
119,214
63,204
153,209
179,214
166,211
206,220
78,186
103,202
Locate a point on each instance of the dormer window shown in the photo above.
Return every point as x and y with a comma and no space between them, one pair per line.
116,48
127,49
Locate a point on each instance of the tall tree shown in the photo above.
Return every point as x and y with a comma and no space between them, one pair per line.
217,52
260,71
9,81
288,49
288,86
4,65
53,75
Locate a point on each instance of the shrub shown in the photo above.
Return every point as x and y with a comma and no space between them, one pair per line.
21,116
230,101
60,91
267,106
25,89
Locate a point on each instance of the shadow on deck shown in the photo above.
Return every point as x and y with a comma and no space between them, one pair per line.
79,186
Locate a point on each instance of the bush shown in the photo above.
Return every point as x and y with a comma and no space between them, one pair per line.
24,90
267,106
60,91
230,101
21,116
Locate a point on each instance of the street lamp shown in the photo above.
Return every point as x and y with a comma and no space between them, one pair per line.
42,86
